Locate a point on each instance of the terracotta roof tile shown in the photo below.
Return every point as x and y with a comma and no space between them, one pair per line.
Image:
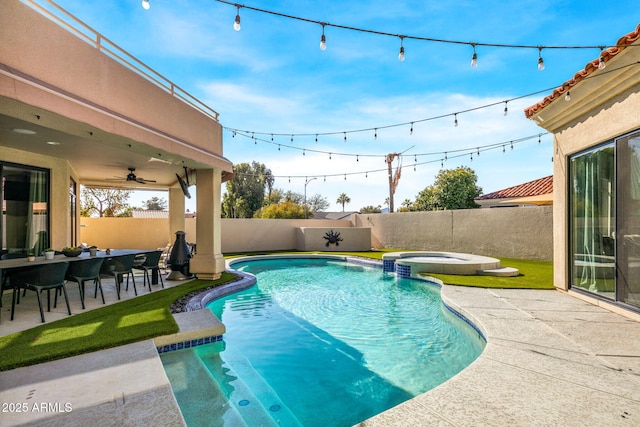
592,66
531,188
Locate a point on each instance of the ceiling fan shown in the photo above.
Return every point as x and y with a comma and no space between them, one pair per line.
131,176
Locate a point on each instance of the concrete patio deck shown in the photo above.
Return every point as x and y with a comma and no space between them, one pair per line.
551,359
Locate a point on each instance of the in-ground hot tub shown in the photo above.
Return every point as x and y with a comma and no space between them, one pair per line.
408,264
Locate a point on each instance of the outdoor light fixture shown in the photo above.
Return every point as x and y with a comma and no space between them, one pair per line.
146,5
236,23
506,109
567,97
540,60
474,58
601,63
401,54
323,40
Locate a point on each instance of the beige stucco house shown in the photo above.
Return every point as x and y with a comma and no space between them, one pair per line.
76,109
595,119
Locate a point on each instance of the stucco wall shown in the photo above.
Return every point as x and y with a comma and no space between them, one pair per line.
315,239
504,232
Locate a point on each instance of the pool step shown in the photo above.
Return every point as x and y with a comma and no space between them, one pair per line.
501,272
201,400
249,393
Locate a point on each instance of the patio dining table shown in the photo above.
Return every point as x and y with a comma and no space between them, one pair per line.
23,263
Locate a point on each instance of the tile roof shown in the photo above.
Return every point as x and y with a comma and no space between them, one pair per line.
531,188
592,66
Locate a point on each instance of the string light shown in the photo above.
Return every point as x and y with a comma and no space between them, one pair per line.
236,23
323,40
474,57
401,54
601,63
146,5
375,135
540,60
412,123
506,108
420,38
567,97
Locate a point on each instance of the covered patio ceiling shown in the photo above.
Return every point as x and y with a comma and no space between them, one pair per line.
96,156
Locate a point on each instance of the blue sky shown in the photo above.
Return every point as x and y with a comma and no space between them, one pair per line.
271,77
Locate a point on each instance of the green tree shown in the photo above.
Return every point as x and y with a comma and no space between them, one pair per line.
452,189
286,209
371,209
343,199
247,190
406,206
105,202
317,203
156,204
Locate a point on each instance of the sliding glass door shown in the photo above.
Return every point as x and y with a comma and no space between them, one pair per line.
604,220
628,219
25,209
592,220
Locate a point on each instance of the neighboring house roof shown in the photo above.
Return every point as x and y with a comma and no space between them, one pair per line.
592,66
333,215
532,188
150,213
146,213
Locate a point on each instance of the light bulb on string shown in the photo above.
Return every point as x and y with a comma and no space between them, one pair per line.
540,60
511,145
323,40
357,158
316,138
401,53
474,57
539,138
329,156
146,5
345,137
236,23
345,176
411,129
325,179
375,134
503,149
567,97
278,147
455,120
601,63
304,153
506,108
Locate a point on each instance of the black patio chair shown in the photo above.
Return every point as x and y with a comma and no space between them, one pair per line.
117,267
151,265
7,274
85,271
44,277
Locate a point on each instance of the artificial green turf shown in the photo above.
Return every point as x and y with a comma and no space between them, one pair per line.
121,323
533,275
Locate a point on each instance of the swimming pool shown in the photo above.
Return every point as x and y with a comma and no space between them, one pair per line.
320,342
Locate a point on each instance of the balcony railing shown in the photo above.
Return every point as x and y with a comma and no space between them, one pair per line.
84,32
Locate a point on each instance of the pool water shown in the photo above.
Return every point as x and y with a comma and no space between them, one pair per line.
319,342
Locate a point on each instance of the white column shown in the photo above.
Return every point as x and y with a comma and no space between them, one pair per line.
208,263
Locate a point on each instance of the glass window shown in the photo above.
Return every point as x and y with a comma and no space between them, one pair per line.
592,221
628,219
25,209
72,214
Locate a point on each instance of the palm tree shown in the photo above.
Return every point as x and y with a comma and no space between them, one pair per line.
343,199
